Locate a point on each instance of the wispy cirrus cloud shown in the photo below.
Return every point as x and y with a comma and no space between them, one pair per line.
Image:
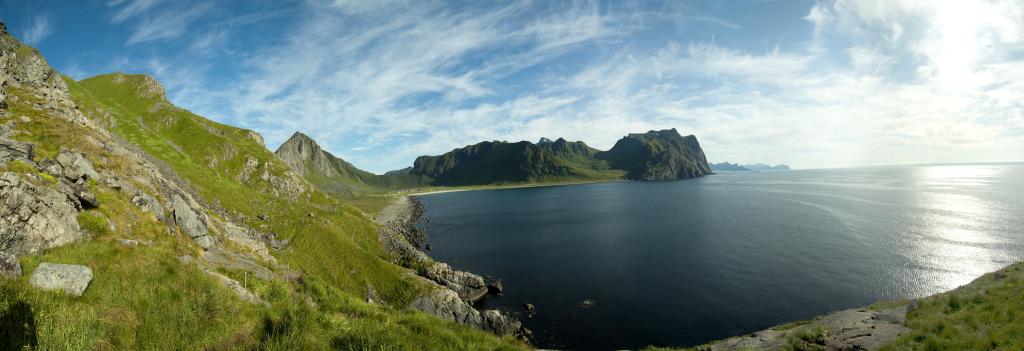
865,82
38,29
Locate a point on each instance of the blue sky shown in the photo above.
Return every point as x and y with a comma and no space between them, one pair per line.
809,83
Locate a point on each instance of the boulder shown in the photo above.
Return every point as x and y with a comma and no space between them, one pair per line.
72,279
13,150
51,167
9,266
530,309
76,166
496,287
84,196
446,304
498,323
469,286
191,223
148,203
34,218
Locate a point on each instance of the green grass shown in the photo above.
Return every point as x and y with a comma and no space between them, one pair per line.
807,339
987,314
143,298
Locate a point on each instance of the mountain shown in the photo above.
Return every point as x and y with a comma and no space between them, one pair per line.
144,217
658,155
764,167
334,175
728,167
497,162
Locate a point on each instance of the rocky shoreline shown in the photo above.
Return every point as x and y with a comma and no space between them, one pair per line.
454,291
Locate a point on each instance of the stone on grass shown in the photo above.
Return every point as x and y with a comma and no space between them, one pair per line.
9,266
72,279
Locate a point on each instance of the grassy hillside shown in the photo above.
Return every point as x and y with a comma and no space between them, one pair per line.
142,297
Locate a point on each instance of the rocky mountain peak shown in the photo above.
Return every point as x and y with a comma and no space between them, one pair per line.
544,141
300,149
145,86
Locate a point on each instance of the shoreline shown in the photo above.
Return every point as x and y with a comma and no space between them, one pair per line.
453,292
414,193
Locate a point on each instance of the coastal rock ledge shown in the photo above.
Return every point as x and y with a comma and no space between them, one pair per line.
454,291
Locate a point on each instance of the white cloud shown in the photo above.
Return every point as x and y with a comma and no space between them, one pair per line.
38,30
167,24
132,9
881,83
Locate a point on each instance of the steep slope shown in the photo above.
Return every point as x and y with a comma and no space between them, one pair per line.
576,152
334,175
195,235
497,162
658,155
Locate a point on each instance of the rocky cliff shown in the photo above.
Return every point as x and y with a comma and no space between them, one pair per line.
658,155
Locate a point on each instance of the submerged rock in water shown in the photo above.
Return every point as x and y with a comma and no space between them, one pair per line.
72,279
496,287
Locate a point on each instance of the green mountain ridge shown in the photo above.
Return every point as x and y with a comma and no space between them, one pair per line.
655,155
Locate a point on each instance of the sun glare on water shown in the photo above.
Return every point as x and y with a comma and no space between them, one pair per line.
955,230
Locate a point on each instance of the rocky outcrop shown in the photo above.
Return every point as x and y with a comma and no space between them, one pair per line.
14,150
469,286
34,218
454,290
330,173
658,155
147,203
22,65
72,279
10,267
190,222
446,304
855,329
75,167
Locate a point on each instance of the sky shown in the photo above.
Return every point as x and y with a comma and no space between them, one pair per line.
813,84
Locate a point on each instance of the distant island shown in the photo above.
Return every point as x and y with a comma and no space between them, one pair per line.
735,167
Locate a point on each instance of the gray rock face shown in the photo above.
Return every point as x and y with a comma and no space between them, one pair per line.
13,150
33,218
76,166
470,287
72,279
500,324
85,197
9,266
148,203
190,222
51,167
446,304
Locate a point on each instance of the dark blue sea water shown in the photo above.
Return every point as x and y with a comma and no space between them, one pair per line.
679,263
